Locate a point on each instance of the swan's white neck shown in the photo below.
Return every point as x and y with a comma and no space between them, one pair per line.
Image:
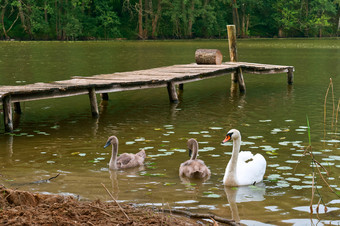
231,179
234,156
113,160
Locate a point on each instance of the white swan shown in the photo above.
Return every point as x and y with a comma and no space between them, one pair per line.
243,168
194,168
125,160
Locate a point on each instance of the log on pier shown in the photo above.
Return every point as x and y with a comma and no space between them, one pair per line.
208,56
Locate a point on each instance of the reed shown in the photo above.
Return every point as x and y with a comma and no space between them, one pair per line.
308,151
335,111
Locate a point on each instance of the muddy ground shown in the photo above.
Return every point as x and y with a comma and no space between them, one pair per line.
26,208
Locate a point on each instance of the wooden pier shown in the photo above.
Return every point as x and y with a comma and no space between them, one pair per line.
122,81
103,84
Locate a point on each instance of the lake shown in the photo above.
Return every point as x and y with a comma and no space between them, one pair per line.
59,136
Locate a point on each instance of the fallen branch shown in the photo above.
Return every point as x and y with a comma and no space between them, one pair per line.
116,202
215,222
202,215
45,181
36,182
102,210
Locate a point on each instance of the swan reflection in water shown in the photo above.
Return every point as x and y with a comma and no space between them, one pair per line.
243,194
114,174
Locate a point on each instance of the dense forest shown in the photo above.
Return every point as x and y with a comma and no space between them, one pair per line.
160,19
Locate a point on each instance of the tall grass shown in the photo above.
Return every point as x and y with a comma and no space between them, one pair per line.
335,111
317,168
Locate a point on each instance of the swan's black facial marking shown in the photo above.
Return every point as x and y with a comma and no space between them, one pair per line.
227,137
230,134
107,144
254,183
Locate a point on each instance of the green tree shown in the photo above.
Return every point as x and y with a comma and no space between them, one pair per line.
107,20
286,16
321,13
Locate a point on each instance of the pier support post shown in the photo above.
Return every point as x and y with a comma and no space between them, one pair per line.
6,103
241,84
172,92
17,108
104,96
290,76
181,86
93,102
238,76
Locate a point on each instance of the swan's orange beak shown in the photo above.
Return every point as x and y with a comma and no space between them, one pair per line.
226,139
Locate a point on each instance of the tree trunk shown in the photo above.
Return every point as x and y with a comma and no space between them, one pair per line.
57,22
45,11
247,24
3,11
155,19
280,33
236,19
338,27
320,32
61,30
22,17
306,31
140,20
243,29
146,18
191,19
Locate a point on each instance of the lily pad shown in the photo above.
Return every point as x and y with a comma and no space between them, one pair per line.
335,157
215,128
140,139
255,137
212,196
284,168
169,183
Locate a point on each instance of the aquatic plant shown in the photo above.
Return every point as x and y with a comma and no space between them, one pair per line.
315,164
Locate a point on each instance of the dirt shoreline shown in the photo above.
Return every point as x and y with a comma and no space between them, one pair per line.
26,208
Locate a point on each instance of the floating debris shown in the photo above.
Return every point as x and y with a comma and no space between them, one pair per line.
255,137
265,120
129,142
215,128
187,202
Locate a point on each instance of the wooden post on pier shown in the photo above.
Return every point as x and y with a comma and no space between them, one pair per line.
238,76
290,76
104,96
17,107
172,92
93,102
6,103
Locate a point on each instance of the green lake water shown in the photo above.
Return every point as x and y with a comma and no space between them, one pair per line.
60,136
